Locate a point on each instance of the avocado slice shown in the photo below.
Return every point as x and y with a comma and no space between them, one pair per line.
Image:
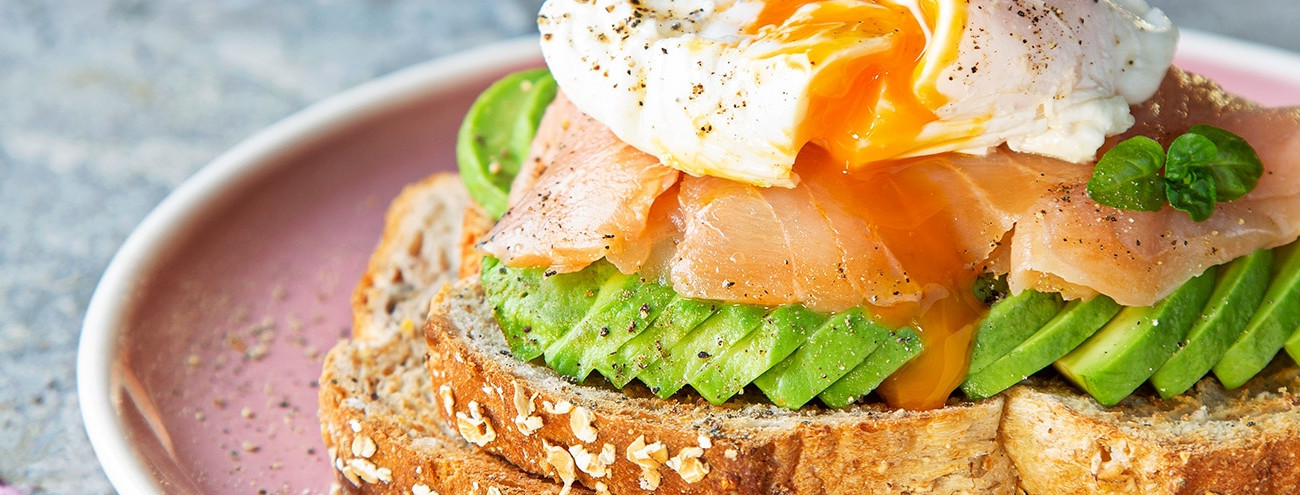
498,129
896,351
701,347
625,306
838,346
782,331
677,319
1274,321
654,299
1070,327
1292,346
534,309
1237,293
1118,358
1009,323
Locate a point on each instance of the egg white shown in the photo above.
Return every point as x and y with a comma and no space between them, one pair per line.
684,81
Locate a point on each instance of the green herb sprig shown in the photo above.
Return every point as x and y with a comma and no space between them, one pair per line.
1205,166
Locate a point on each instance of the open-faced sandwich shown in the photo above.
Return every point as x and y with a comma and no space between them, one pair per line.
838,246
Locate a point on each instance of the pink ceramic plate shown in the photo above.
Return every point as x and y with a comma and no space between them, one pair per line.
204,339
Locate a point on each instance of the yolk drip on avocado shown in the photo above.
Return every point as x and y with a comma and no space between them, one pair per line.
910,212
866,110
873,107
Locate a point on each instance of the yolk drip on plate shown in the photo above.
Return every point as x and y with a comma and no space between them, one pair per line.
873,107
914,218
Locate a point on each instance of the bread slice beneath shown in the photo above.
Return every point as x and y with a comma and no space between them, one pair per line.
545,424
376,403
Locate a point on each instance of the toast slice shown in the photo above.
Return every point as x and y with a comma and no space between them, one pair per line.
545,424
376,403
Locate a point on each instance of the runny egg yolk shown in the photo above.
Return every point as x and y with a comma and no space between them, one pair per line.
864,111
861,113
873,107
914,218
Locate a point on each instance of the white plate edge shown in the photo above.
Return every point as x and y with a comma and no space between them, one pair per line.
1240,55
97,348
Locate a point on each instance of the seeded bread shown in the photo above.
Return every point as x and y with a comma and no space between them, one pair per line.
376,403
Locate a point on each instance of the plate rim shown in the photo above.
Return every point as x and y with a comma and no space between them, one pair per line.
1240,55
98,345
121,460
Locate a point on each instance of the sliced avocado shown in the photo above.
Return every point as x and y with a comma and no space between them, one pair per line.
990,289
625,306
896,351
1071,327
1009,323
495,136
532,106
840,344
1118,358
782,331
1292,345
1237,292
1273,322
679,317
648,306
534,309
700,347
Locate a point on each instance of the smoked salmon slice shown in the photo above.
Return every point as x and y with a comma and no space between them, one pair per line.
580,195
901,232
1078,247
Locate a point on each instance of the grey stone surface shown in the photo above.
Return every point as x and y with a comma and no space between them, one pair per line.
1270,22
107,105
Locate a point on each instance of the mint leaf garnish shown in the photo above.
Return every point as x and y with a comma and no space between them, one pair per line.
1205,166
1189,182
1237,168
1128,176
1187,153
1194,195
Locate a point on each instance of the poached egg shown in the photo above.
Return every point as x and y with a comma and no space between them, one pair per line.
735,88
